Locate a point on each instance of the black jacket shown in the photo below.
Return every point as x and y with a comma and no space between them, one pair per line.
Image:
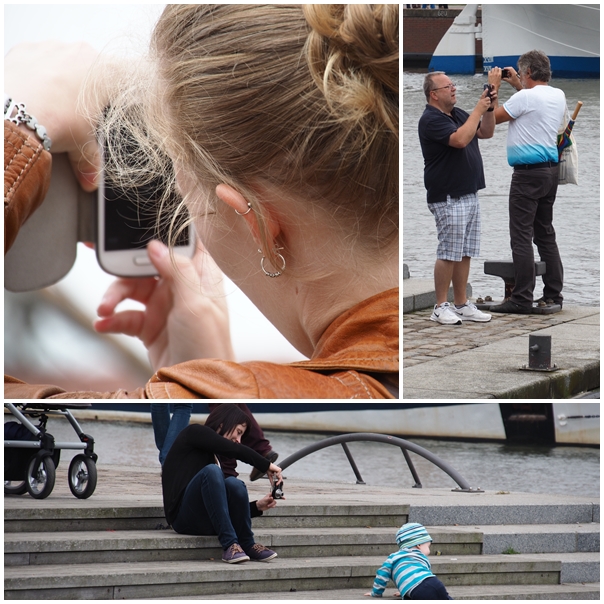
193,450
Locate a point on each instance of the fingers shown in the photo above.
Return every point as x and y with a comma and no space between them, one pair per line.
128,322
86,165
177,270
123,289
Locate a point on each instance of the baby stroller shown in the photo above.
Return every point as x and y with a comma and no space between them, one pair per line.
31,454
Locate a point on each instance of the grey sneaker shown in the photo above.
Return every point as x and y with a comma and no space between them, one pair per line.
444,315
234,555
261,553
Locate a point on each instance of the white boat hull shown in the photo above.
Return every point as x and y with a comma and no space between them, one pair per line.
569,34
573,423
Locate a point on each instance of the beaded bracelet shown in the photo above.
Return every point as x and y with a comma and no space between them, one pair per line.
22,117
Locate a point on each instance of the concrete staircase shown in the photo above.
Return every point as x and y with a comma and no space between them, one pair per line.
86,550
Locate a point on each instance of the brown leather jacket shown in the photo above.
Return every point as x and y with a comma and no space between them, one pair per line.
26,179
356,357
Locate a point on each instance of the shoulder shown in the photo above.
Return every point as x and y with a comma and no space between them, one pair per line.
223,379
460,113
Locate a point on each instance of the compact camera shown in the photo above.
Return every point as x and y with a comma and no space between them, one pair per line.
506,73
277,489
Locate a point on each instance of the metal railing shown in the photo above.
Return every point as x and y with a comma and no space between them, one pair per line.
404,445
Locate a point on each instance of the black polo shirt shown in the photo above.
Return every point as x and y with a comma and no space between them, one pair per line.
447,170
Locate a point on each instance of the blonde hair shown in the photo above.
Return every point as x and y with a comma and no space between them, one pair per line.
302,99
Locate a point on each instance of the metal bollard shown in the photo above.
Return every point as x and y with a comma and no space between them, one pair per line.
540,354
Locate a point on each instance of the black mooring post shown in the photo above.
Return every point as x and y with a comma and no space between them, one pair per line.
540,351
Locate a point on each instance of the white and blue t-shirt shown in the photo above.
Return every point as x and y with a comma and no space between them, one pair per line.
532,135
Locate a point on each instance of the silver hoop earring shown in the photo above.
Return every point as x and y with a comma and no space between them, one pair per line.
249,209
276,274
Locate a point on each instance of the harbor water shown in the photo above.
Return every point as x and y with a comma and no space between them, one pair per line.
491,466
576,211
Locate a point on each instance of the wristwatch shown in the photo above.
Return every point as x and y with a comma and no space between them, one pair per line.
22,117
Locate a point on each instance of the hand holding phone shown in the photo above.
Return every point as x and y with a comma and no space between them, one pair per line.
490,89
185,315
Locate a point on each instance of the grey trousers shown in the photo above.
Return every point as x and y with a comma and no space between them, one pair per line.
531,207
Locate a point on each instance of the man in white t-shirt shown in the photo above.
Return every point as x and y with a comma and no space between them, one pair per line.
535,114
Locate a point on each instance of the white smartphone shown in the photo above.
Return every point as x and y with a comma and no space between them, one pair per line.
127,219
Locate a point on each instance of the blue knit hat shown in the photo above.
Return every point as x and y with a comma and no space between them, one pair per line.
412,534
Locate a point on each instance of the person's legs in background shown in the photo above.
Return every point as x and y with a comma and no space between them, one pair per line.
167,428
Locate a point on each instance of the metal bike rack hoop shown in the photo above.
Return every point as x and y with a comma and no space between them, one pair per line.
404,445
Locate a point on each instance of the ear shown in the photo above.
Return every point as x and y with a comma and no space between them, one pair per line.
239,203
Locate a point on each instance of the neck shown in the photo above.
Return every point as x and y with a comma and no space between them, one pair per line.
444,108
321,303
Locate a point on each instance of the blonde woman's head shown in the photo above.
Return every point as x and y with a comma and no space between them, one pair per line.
302,100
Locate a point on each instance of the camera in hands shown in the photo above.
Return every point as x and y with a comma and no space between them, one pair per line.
489,88
277,489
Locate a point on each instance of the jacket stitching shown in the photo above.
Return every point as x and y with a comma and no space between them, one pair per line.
19,177
17,150
355,376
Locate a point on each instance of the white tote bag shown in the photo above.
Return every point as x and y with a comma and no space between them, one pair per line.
569,161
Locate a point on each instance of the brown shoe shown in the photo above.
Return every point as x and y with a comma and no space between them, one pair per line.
272,456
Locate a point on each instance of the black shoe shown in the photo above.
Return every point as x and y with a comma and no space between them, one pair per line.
511,307
543,302
272,456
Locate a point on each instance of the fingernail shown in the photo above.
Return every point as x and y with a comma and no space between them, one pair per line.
157,249
88,181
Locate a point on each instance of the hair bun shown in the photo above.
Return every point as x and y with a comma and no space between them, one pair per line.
353,54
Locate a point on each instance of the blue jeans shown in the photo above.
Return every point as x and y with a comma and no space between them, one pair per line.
215,505
166,429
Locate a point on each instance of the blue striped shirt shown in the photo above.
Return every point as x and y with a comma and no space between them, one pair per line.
406,568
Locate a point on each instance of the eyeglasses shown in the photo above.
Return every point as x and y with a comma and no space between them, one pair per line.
451,86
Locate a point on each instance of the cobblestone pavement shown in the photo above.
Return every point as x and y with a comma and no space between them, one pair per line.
425,340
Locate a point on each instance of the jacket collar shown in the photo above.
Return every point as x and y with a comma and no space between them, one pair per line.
365,338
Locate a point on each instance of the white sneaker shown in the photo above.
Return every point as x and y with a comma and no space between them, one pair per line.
444,315
469,312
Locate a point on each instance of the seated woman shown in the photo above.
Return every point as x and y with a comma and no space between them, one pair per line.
200,500
281,123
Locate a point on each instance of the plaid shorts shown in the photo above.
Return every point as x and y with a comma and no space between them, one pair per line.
458,226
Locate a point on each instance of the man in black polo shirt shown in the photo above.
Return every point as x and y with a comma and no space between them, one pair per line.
453,174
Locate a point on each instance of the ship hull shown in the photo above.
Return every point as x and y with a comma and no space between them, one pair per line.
557,423
568,34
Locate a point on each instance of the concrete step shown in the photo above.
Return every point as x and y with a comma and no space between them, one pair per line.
534,538
186,578
574,591
505,509
541,538
587,591
426,508
154,545
104,518
148,546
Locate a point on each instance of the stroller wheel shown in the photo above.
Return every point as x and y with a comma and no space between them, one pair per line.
12,487
82,476
41,477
